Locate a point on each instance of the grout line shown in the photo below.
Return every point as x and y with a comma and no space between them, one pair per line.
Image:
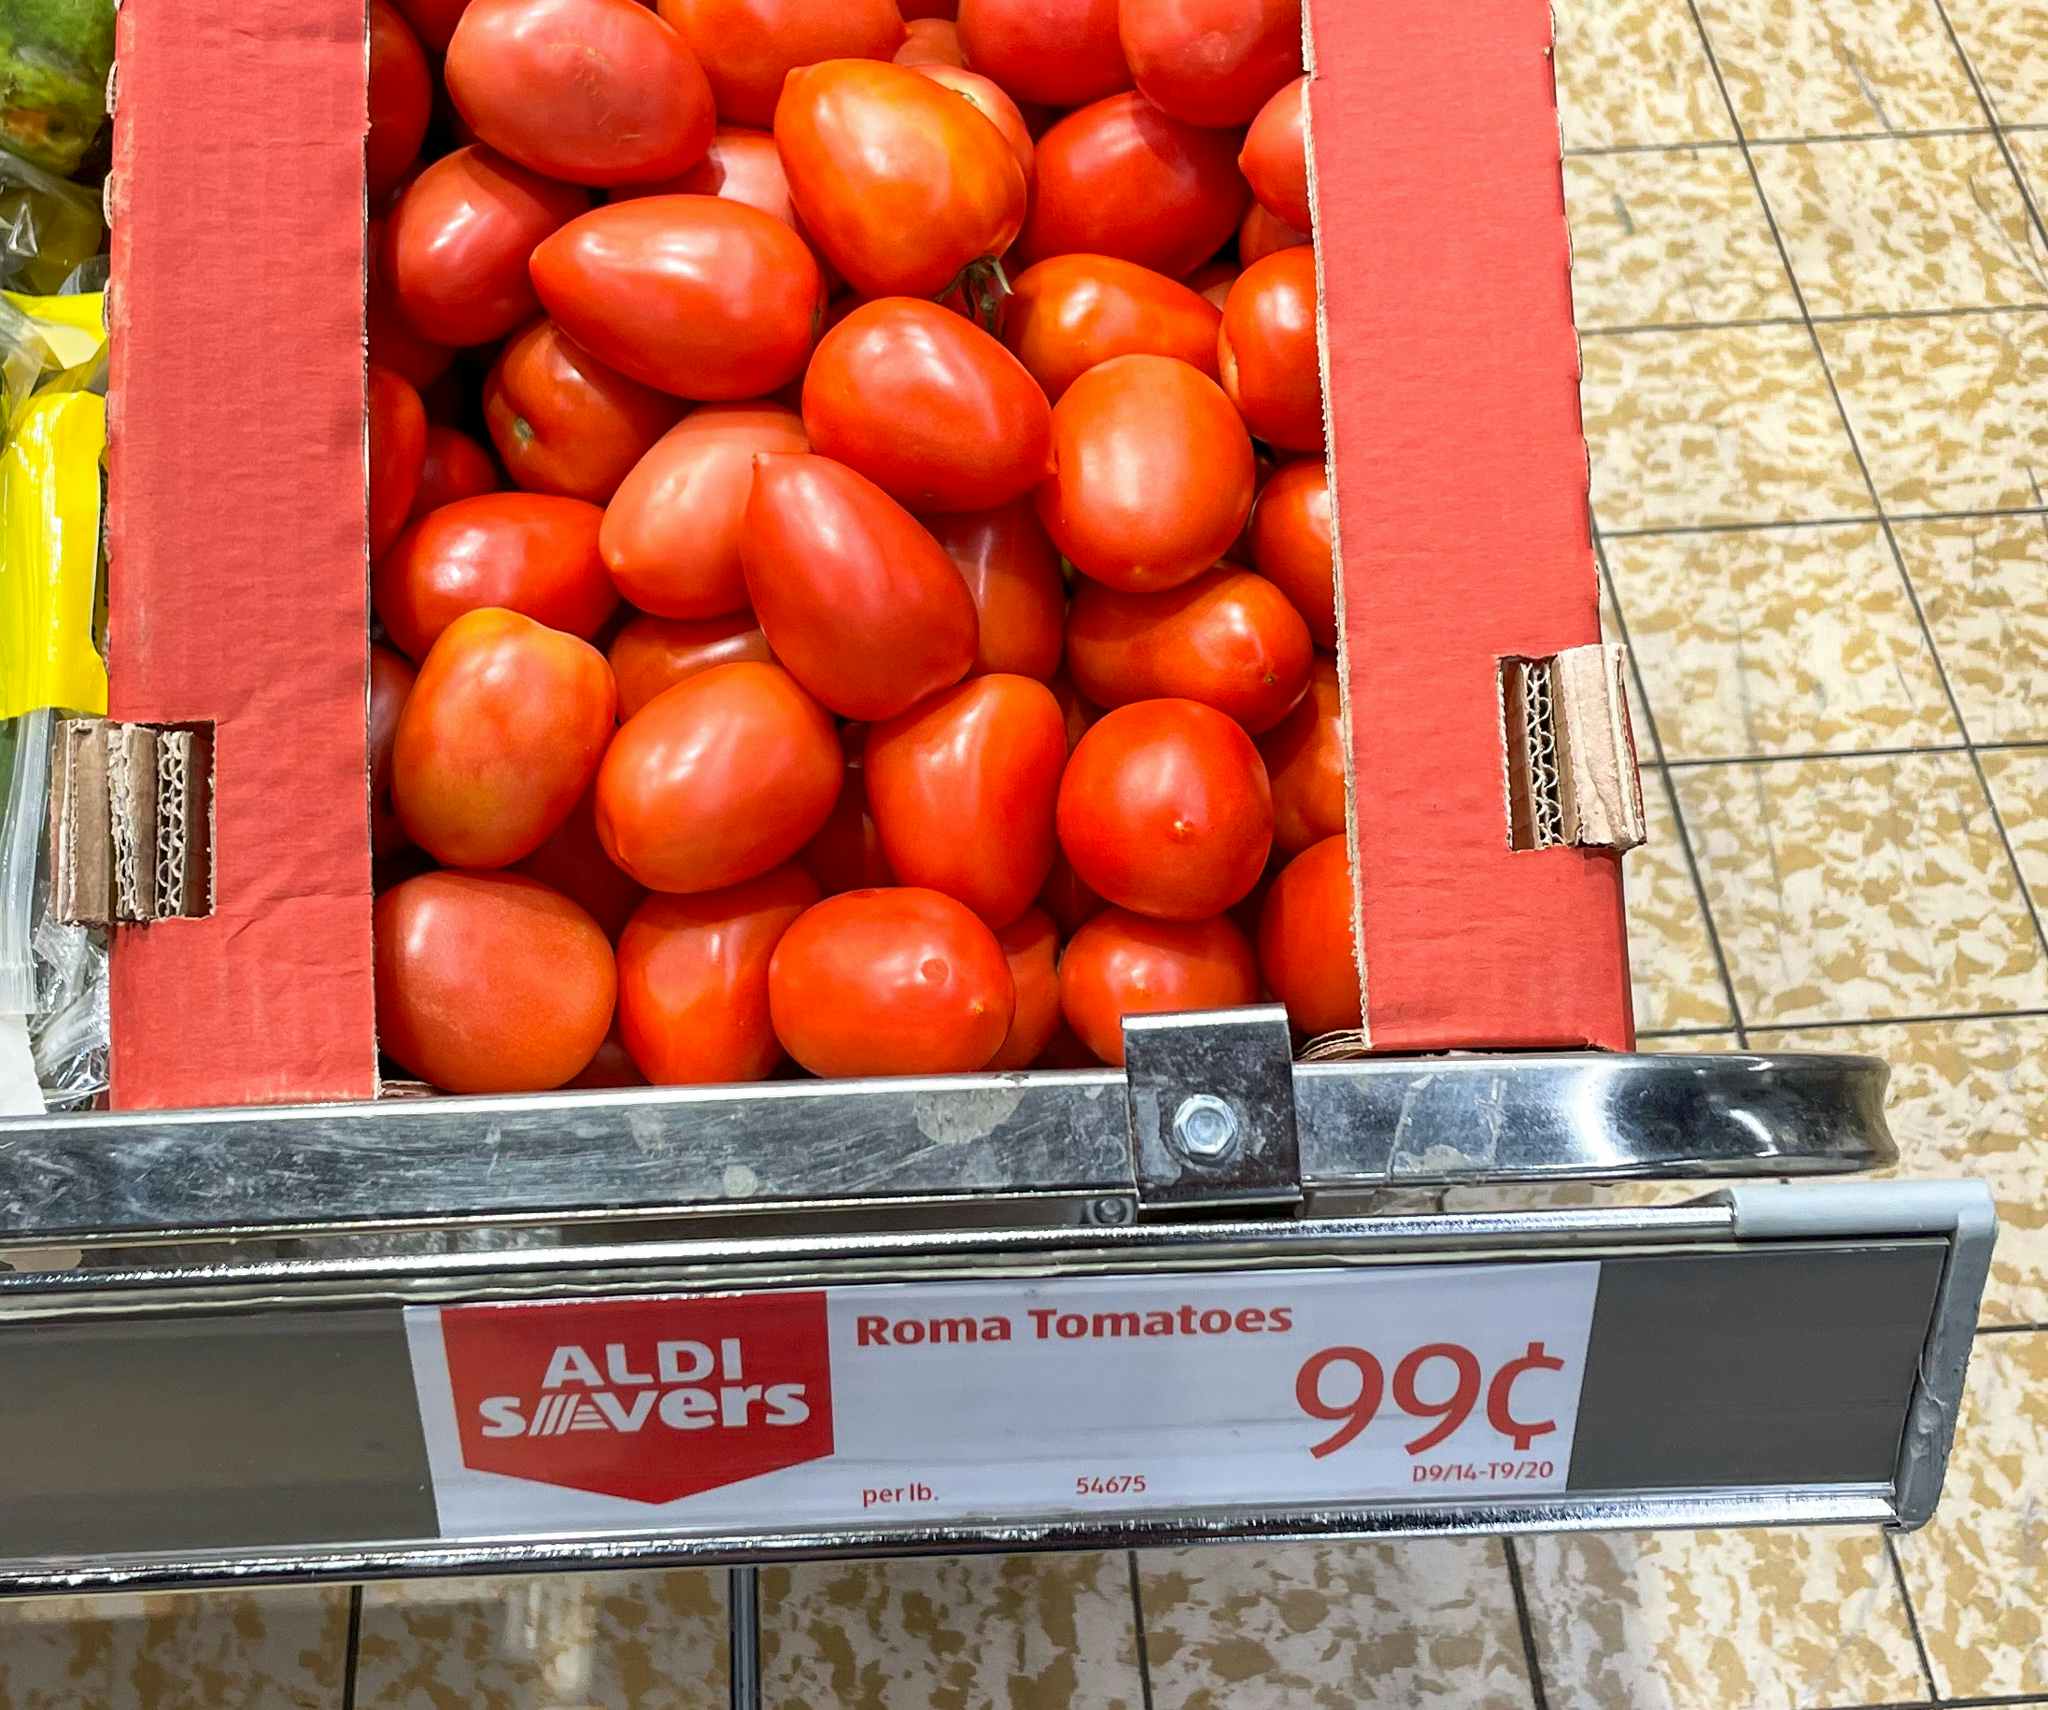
1803,141
1539,1699
1948,1015
1991,113
1138,1631
1847,317
2011,1329
1817,754
355,1636
1912,1617
1866,520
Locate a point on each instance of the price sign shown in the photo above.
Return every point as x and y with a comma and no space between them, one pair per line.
1003,1400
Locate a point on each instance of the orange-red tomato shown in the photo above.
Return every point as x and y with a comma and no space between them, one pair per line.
1059,53
902,183
1065,898
693,979
858,601
401,100
650,654
456,467
1262,235
1152,473
489,983
890,982
398,450
1120,178
729,773
694,295
1290,544
1267,350
847,854
591,91
499,738
573,862
529,552
458,239
1079,714
1071,312
390,682
1122,964
740,166
565,423
1307,949
1228,639
1211,62
1304,755
749,46
393,343
931,41
928,407
671,535
1165,810
962,788
1013,573
1274,159
1031,946
988,98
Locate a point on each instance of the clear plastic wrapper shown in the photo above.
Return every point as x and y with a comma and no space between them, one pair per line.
48,227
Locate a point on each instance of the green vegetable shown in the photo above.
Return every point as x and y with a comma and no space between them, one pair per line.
54,57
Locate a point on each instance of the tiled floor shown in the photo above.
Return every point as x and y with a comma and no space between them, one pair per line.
1812,278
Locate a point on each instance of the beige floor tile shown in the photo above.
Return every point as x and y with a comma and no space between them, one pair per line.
1861,889
1952,413
1727,425
266,1650
1978,1572
1983,585
1798,68
1674,235
1335,1626
968,1633
1717,1620
2007,41
1779,641
1633,71
631,1641
2019,785
1671,965
1898,224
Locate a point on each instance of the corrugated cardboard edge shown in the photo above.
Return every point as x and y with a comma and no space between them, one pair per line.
1601,789
81,837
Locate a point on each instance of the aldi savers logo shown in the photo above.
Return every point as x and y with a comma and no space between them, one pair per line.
650,1400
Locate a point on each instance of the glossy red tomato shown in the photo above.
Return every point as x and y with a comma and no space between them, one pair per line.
1211,62
671,536
393,343
962,788
650,654
928,407
1307,949
717,780
457,241
1262,235
1165,810
489,983
1122,964
398,450
847,854
1304,755
573,862
1079,713
931,41
1267,350
693,979
1031,946
1152,473
859,603
1013,573
1290,540
529,552
499,738
902,183
740,166
988,98
390,682
1059,53
749,46
1067,314
1228,639
456,467
591,91
401,100
1065,898
890,982
433,21
565,423
1274,159
1120,178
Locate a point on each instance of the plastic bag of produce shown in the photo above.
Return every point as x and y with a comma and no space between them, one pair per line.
48,228
54,59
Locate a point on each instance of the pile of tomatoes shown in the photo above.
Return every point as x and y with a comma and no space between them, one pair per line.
850,536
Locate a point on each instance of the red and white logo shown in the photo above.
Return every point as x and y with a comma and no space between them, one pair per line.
650,1400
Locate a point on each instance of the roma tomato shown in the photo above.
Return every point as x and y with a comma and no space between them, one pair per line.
1304,755
1274,159
861,605
1031,946
591,91
988,99
1059,53
739,166
1262,235
573,862
456,467
1290,536
693,979
1065,898
928,407
1228,639
1152,473
1165,810
457,241
528,552
401,100
691,294
903,184
1122,964
565,423
1267,350
390,682
671,535
890,982
398,450
433,21
846,855
489,983
748,47
1307,949
962,788
499,738
1078,713
1013,574
1067,314
393,343
931,41
650,654
718,779
1210,62
1120,178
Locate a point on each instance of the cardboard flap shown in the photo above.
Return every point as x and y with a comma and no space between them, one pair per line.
129,833
1569,753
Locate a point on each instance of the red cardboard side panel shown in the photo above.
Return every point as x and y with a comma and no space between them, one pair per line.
1461,512
236,535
